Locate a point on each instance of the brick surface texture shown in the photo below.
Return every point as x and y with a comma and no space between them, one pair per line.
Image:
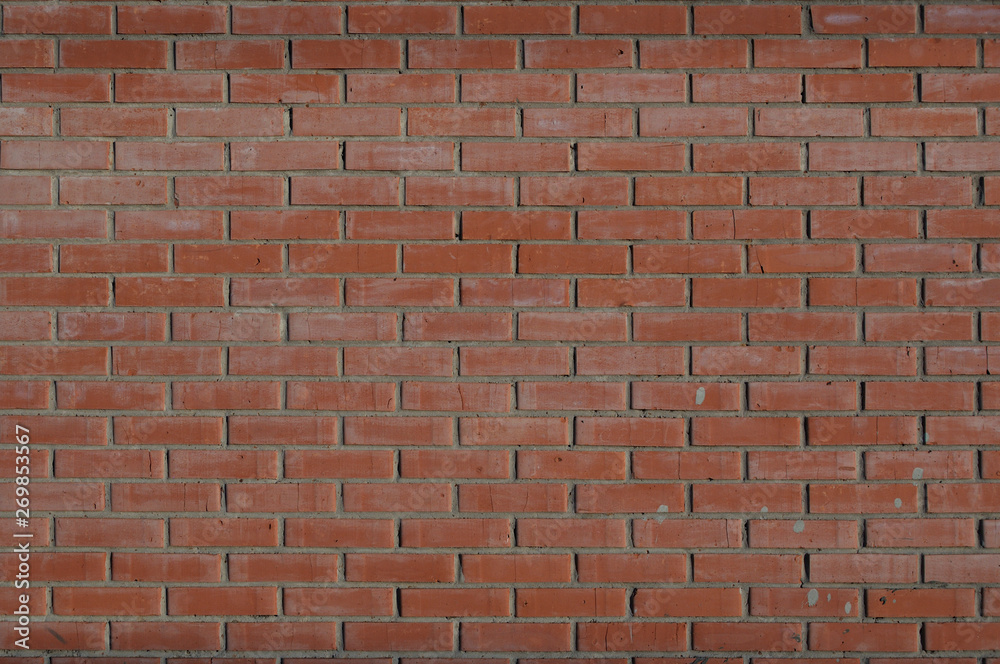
563,330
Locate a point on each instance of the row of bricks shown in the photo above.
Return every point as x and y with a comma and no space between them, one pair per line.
526,602
869,568
415,498
840,156
550,637
707,121
686,258
519,225
479,19
440,88
462,532
573,464
522,568
665,327
659,361
490,397
484,54
538,431
809,326
494,191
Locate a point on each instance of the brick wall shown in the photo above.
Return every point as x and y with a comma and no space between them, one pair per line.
519,330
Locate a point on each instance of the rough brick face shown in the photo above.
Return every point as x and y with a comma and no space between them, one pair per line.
531,332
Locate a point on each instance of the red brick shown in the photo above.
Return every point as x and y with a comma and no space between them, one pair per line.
284,88
223,601
34,121
685,465
904,603
808,53
962,19
176,567
590,602
936,326
748,431
686,326
886,637
747,88
630,87
463,259
400,88
459,122
542,259
139,430
748,498
229,122
699,602
149,635
397,431
83,601
286,20
427,602
691,53
355,190
565,54
520,292
113,54
57,19
570,396
589,122
526,568
834,360
680,190
454,54
757,292
552,532
226,396
532,431
337,327
832,19
905,190
959,87
808,122
694,396
503,225
400,567
171,20
639,360
724,20
625,19
175,497
312,464
923,122
903,533
483,87
346,54
690,122
834,326
520,637
747,636
372,156
285,636
105,532
518,20
922,53
510,497
801,534
396,20
455,533
731,157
